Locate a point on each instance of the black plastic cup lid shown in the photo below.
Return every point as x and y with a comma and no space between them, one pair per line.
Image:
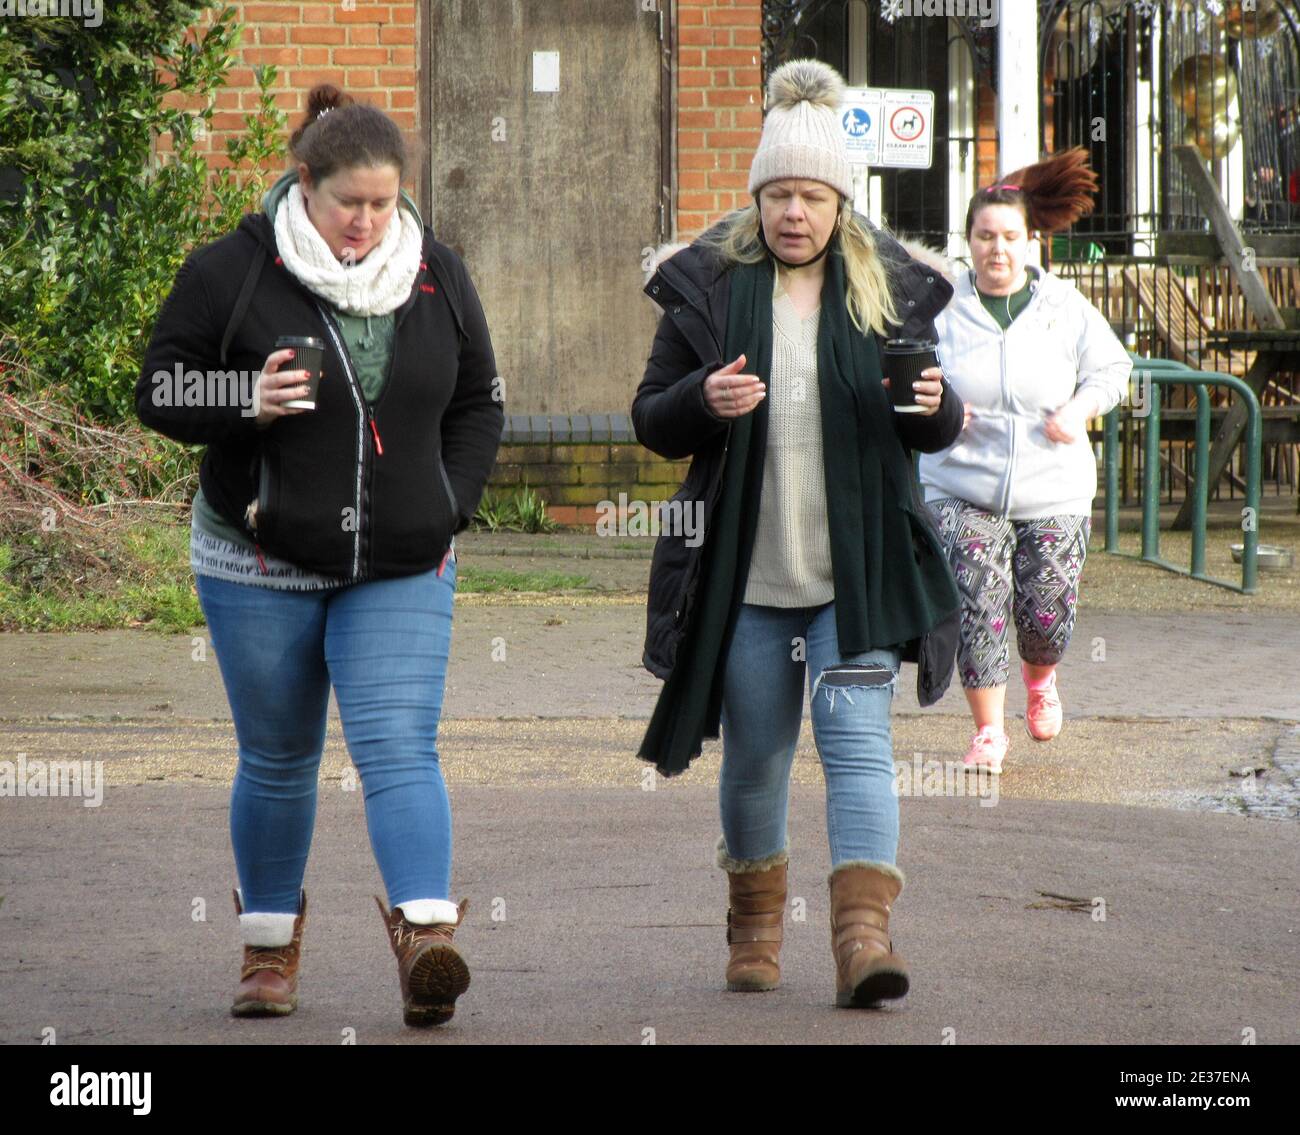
299,341
910,346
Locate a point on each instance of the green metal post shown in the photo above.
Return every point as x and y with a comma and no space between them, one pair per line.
1201,487
1151,481
1110,459
1250,549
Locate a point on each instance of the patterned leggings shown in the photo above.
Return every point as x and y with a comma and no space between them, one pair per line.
1036,561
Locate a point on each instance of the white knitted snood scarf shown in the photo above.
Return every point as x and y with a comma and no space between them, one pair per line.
375,285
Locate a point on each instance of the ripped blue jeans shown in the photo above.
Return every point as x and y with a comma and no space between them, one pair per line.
762,708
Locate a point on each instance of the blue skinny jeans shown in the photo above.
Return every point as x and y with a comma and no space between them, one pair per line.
383,645
762,709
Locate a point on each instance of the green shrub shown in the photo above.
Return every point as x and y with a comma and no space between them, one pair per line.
94,222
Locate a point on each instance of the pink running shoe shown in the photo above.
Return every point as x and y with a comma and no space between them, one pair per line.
987,748
1042,709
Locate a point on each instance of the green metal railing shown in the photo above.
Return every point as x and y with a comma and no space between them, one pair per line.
1163,372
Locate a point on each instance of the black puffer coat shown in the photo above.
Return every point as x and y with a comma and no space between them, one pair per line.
670,418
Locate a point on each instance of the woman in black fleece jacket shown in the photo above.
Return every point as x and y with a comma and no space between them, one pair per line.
323,538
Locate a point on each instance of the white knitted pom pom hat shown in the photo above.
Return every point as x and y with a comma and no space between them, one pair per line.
802,136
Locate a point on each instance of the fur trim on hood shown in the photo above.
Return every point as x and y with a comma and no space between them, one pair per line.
655,259
950,270
660,254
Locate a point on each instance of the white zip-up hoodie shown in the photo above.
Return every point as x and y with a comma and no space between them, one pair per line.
1003,461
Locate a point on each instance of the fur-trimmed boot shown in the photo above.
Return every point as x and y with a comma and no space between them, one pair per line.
866,968
268,982
432,972
755,919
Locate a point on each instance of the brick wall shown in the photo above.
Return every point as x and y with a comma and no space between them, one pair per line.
367,49
574,479
719,107
986,104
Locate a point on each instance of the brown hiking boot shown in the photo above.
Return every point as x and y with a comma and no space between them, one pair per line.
432,972
268,983
867,970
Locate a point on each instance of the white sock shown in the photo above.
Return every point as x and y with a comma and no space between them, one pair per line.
428,912
267,929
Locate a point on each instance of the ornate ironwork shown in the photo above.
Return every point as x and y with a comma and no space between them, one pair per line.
781,20
983,42
784,19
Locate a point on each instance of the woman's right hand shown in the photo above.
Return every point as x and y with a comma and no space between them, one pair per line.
275,387
730,394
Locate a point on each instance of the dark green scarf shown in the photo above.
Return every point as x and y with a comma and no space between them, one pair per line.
892,583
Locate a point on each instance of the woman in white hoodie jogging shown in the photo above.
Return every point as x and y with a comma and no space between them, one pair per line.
1034,362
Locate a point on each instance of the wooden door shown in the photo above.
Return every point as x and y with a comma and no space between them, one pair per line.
552,197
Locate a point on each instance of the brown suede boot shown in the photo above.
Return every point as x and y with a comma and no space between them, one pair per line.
432,972
268,983
755,920
866,968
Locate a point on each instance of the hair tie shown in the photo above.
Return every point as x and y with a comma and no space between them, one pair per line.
323,113
1004,185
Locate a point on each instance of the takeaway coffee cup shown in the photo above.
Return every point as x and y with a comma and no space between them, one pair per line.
903,360
308,354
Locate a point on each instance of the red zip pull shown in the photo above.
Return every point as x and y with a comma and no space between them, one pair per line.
261,563
379,445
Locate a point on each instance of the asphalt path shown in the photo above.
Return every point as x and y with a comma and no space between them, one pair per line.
596,915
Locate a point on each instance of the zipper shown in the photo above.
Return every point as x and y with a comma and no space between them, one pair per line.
451,493
374,432
1035,293
364,418
1011,439
367,424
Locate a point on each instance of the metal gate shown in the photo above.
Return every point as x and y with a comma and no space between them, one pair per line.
1130,82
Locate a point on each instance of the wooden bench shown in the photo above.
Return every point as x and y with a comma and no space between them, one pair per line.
1179,322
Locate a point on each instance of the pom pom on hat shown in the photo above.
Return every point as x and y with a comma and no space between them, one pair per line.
805,80
802,136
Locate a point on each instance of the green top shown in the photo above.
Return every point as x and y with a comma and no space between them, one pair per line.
369,341
1005,308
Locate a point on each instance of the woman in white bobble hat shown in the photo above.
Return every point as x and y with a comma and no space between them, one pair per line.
819,557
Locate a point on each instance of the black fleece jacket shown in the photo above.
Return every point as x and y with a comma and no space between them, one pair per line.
347,489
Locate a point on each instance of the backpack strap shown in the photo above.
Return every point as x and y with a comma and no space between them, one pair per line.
244,299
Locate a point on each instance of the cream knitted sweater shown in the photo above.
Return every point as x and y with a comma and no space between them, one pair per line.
791,564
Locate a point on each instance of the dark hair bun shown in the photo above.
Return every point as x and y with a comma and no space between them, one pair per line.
339,132
325,96
322,97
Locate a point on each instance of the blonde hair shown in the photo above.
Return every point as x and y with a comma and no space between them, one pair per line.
870,303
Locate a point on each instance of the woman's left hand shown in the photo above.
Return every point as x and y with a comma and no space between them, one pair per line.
928,390
1066,424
